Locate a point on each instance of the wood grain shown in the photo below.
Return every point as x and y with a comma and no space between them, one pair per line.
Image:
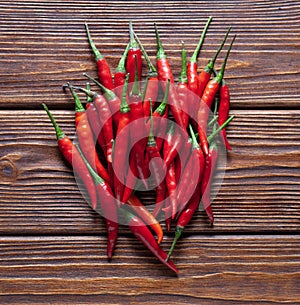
43,45
260,190
52,245
218,270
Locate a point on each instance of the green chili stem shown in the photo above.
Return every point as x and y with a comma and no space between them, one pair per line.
121,64
211,63
183,75
124,108
152,69
78,105
145,88
213,120
199,45
107,93
133,44
59,133
89,99
220,75
96,52
178,233
211,137
160,50
151,140
194,140
97,179
162,106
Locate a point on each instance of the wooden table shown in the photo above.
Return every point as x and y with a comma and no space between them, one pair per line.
52,245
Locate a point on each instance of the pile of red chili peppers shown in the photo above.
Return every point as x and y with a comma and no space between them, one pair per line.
163,136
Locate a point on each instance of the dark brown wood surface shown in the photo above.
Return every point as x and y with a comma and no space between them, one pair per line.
52,245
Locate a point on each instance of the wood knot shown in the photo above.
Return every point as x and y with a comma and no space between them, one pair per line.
8,170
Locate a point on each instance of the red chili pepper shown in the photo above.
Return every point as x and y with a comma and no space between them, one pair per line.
160,116
94,121
184,218
210,163
104,72
196,167
113,101
172,186
72,155
137,126
182,90
206,102
100,119
156,164
204,76
120,74
146,216
141,231
164,73
224,111
106,205
85,137
121,145
152,83
172,144
133,52
192,66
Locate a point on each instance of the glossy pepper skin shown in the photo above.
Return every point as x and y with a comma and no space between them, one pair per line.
152,84
71,154
120,73
121,145
86,138
106,205
206,102
142,233
224,111
134,54
183,91
205,74
164,74
146,216
192,67
104,73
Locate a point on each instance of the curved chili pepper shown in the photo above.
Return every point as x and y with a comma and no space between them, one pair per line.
182,89
192,66
94,121
172,186
172,144
121,144
104,72
206,102
141,231
210,164
120,73
146,216
137,129
164,73
196,166
204,76
156,164
107,206
224,111
85,137
184,218
160,116
152,83
133,52
113,101
100,119
71,154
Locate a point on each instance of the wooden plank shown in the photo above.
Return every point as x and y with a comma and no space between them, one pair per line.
43,45
260,190
218,270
